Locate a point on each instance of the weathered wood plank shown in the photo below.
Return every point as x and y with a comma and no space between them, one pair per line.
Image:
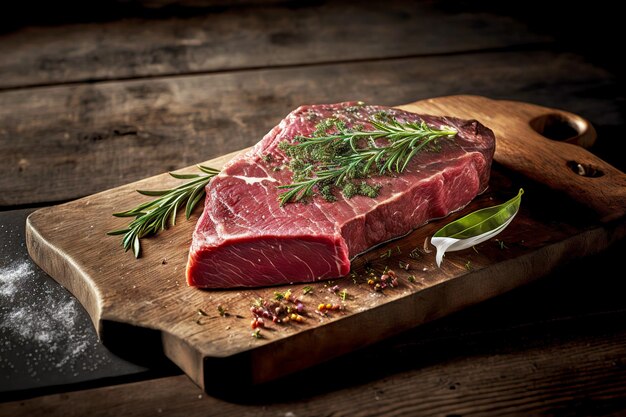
59,143
579,371
182,39
98,273
546,306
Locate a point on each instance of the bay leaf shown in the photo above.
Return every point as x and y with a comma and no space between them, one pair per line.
475,228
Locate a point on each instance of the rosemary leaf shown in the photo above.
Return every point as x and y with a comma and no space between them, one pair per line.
184,176
153,216
154,193
337,158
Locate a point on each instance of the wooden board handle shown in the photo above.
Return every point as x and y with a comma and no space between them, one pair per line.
563,165
570,169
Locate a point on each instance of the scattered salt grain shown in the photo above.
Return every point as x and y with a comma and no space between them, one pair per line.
40,321
10,276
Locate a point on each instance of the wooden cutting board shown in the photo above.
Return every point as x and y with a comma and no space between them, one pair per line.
573,206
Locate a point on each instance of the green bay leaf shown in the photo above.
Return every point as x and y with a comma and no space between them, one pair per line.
476,227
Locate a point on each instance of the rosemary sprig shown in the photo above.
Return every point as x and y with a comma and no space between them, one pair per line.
152,216
332,159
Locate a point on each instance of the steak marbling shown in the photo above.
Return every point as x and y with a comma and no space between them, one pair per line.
245,238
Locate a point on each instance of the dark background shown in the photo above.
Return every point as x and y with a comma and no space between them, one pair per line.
554,347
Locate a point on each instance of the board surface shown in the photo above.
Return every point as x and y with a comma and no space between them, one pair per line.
144,307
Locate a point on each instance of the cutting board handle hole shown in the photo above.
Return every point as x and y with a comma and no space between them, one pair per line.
559,127
584,170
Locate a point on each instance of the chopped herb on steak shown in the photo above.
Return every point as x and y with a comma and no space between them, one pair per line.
246,238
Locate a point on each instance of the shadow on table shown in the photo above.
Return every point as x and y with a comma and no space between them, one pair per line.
578,304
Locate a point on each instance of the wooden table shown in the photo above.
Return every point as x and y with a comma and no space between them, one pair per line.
92,98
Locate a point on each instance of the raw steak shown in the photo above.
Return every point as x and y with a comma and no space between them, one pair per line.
244,237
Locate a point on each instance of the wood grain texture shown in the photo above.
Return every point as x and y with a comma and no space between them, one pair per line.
556,164
491,361
183,39
68,241
92,137
506,373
